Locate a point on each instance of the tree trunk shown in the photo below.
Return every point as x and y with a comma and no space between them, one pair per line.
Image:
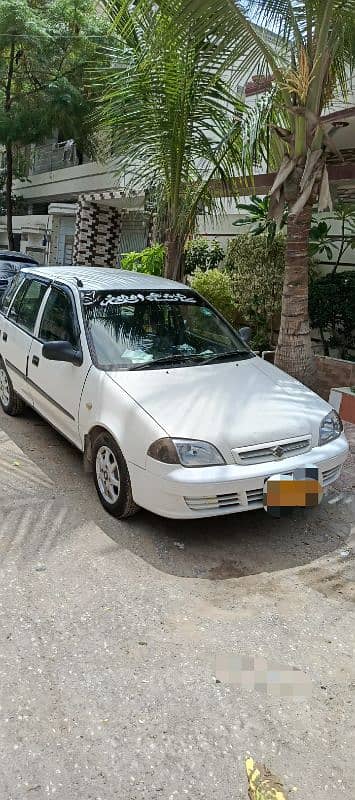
8,196
294,348
174,259
342,247
9,158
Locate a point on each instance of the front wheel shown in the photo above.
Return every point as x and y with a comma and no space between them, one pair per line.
11,403
111,477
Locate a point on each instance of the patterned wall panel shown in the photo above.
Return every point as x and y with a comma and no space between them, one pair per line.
98,231
99,227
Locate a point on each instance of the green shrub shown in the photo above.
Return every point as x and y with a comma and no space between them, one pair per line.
257,267
200,254
151,260
216,287
332,310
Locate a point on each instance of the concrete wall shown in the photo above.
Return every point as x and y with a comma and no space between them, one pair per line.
67,183
223,229
332,373
58,227
32,229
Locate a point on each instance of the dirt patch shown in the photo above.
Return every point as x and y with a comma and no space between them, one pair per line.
227,569
337,582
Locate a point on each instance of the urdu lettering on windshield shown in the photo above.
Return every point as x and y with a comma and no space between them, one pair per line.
96,298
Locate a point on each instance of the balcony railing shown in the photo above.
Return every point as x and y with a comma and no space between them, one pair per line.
61,155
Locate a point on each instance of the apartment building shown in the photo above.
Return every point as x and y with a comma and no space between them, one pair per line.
60,181
75,210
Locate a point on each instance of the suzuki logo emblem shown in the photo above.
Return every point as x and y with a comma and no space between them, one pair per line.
278,451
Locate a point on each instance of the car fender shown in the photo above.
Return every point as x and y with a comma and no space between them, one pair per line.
106,405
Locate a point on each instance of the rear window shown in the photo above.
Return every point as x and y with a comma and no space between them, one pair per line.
25,307
10,293
18,297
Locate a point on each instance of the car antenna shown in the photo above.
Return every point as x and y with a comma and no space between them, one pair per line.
79,283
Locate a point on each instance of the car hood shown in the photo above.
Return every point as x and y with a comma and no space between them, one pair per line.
231,405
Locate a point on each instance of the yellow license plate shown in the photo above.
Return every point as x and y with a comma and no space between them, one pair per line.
302,489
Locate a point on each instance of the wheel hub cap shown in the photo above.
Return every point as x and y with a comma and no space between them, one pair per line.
107,473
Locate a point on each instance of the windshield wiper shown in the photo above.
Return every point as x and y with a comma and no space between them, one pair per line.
187,357
237,354
174,357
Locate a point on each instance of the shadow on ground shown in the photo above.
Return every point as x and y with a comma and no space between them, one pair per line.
215,549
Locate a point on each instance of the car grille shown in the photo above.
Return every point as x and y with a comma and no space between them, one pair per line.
330,475
213,502
254,499
255,496
268,452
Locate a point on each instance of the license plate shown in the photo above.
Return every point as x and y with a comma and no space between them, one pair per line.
302,489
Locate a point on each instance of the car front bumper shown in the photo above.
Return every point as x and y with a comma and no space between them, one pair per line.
191,493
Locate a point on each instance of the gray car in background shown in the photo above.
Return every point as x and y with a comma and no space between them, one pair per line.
10,264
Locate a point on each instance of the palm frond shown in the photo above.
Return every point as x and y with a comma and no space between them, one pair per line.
289,35
173,114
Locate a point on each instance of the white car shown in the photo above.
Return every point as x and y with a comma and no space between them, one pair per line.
169,406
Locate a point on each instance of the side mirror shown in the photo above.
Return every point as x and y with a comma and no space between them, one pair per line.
62,351
245,334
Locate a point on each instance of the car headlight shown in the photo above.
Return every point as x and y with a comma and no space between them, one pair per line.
330,428
188,452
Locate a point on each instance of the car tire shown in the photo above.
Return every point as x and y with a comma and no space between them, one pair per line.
111,477
10,401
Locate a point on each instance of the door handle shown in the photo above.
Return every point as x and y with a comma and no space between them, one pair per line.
4,336
35,361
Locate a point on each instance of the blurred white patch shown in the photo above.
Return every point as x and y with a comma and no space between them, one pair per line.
267,677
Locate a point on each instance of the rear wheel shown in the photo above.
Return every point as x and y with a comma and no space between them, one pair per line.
10,401
111,477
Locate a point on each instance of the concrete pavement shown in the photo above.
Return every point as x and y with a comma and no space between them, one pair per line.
134,655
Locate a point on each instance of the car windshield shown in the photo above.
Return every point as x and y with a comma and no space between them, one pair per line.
145,330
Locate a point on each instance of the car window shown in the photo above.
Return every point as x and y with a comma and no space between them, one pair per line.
203,326
58,320
29,305
10,292
18,297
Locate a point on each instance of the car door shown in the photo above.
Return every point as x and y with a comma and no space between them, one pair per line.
18,328
57,386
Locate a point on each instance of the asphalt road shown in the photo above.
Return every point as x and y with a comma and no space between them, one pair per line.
147,658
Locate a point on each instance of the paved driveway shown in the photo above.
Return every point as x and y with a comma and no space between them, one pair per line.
145,659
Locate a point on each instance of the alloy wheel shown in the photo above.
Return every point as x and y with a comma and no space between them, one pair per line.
108,476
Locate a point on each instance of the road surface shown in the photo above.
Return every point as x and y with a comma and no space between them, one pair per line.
145,659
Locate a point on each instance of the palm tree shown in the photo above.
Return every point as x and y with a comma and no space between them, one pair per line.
257,216
172,117
309,56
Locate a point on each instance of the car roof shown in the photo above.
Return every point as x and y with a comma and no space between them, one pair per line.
104,279
15,255
11,263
